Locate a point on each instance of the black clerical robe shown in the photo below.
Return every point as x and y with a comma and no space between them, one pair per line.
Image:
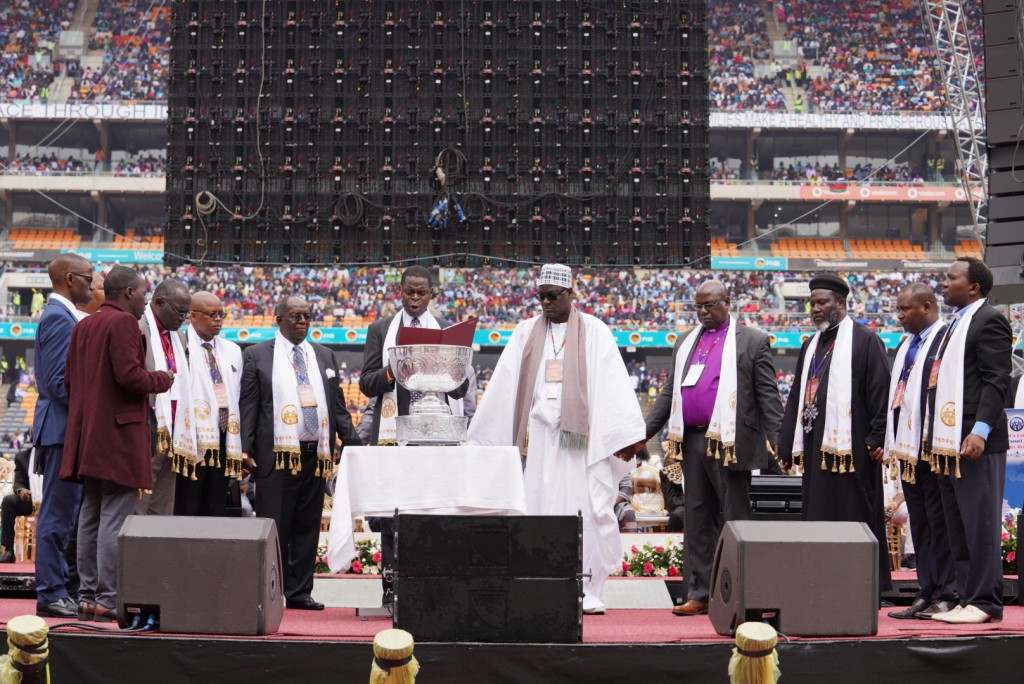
852,496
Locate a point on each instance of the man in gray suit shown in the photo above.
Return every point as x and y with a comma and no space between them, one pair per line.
167,311
723,418
377,382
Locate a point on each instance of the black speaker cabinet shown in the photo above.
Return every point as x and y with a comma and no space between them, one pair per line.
489,578
804,578
776,497
201,575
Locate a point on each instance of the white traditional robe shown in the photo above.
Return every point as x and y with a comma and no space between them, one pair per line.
562,482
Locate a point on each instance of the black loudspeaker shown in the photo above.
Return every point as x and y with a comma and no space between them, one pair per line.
1004,248
201,575
776,497
803,578
489,578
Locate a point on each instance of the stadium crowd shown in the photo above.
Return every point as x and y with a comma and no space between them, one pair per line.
54,165
639,300
29,32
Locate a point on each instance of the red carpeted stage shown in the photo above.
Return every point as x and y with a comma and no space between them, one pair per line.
623,645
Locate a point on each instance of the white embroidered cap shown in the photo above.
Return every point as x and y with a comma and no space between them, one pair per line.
556,274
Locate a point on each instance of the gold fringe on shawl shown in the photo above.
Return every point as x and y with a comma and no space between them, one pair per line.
721,451
163,442
943,457
292,460
841,463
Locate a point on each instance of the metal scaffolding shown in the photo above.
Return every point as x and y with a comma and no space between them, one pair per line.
947,22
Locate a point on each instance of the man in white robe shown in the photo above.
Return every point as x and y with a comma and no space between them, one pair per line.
561,393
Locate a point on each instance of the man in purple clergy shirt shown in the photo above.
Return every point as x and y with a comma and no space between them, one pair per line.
721,370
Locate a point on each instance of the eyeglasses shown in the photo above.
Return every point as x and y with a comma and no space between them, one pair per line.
550,296
709,306
182,314
416,294
212,315
296,317
84,276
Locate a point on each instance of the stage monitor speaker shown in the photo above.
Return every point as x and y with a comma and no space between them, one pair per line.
776,497
489,578
803,578
201,575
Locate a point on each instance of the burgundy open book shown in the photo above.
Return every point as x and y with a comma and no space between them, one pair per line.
458,335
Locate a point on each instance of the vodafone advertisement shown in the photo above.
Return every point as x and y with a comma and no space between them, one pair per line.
872,193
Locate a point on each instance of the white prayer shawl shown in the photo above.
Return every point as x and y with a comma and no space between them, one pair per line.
205,410
559,481
177,441
948,419
387,434
721,433
288,410
837,439
903,439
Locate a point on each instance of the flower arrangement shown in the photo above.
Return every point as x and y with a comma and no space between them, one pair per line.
652,560
367,560
1008,542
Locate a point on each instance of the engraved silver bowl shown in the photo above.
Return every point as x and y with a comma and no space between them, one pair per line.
430,367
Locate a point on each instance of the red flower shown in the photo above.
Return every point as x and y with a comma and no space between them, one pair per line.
673,571
648,568
625,566
1012,556
634,549
1006,536
659,550
357,567
376,557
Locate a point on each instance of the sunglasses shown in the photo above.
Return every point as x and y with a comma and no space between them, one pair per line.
550,296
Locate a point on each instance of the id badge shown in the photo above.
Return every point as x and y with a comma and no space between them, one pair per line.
221,392
897,399
693,374
933,377
306,396
812,391
553,370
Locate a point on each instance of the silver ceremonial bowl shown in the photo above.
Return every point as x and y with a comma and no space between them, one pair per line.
430,367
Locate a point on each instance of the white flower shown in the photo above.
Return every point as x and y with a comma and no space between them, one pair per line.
660,572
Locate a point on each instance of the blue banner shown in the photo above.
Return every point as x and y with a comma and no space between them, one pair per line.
482,338
730,263
121,256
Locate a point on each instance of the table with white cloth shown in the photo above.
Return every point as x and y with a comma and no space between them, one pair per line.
438,480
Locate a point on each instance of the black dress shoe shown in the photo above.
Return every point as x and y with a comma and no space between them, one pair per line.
936,607
7,556
306,603
61,608
910,613
885,603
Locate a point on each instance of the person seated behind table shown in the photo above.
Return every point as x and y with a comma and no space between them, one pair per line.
17,504
673,490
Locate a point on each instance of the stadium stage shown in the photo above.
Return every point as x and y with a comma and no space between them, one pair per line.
649,645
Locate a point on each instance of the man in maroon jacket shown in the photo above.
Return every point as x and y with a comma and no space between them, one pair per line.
107,447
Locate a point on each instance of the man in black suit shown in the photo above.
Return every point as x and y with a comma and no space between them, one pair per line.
974,469
291,410
15,505
908,392
391,399
721,420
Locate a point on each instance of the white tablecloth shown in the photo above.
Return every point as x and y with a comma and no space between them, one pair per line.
463,480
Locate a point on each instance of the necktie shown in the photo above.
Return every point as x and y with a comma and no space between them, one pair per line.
414,396
310,418
915,344
215,375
